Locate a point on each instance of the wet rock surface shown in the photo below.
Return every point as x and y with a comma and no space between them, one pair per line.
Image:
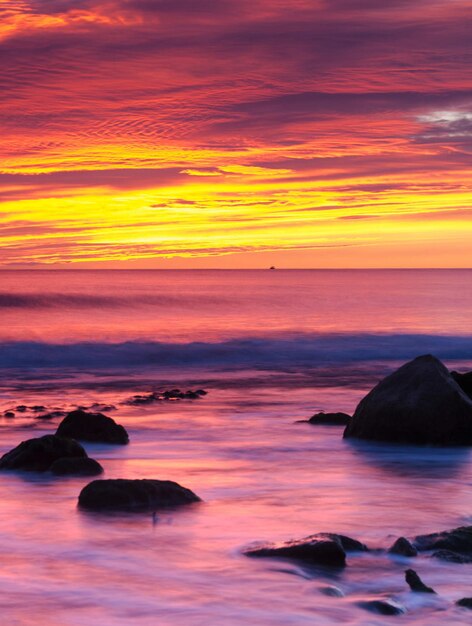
420,403
94,427
39,454
76,466
465,603
134,495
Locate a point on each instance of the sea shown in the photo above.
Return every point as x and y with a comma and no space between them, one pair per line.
271,348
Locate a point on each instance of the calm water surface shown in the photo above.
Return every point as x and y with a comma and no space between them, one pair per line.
271,348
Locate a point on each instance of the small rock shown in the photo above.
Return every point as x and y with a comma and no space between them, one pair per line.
403,547
92,427
334,592
415,583
330,419
76,466
50,416
465,602
21,408
383,607
37,408
452,557
201,392
134,495
39,454
9,414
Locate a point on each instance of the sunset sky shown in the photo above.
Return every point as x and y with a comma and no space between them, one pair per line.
236,133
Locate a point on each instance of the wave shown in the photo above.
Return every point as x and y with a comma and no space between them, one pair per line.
271,353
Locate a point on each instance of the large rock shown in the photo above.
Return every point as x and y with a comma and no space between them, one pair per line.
39,454
121,494
76,466
464,381
92,427
321,549
330,419
458,540
420,403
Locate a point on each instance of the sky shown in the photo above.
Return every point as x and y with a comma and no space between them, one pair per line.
235,133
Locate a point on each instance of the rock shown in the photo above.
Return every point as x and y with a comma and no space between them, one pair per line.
201,392
420,403
172,394
415,583
37,408
452,557
465,602
403,547
321,549
21,408
76,466
383,607
92,427
332,591
456,540
134,495
330,419
349,544
8,414
39,454
464,381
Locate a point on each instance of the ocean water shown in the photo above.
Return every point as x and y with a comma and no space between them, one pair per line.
271,348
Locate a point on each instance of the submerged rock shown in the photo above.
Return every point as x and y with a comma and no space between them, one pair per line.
403,547
50,416
321,549
415,583
162,396
458,540
383,607
332,591
420,403
330,419
121,494
9,414
76,466
92,427
39,454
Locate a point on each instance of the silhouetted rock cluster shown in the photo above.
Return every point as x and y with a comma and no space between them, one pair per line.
158,396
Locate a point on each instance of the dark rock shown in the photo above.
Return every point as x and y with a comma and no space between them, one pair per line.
403,547
191,395
420,403
465,602
134,495
383,607
92,427
315,550
76,466
330,419
456,540
452,557
349,544
21,408
9,414
39,454
464,381
37,408
201,392
415,583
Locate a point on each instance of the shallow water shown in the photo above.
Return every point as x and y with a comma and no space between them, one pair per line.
261,476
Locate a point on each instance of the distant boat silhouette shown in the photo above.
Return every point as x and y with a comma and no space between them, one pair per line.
272,267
